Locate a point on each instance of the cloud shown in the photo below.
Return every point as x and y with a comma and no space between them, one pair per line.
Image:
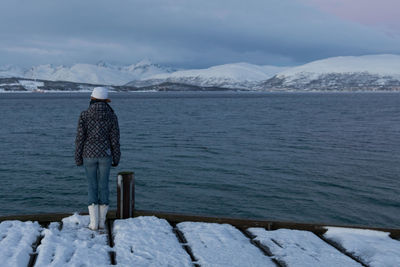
31,50
381,14
181,33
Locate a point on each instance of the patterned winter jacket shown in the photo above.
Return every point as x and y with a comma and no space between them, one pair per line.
98,134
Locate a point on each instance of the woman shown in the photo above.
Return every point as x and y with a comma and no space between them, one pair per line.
97,149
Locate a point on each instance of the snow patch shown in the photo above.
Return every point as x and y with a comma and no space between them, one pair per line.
30,85
16,239
148,241
74,245
373,248
301,248
222,245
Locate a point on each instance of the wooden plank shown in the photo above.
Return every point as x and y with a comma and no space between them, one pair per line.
34,253
215,244
148,241
373,248
341,249
111,241
17,241
260,246
300,248
182,239
73,245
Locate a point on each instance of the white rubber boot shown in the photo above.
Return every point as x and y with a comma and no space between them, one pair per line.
102,216
94,216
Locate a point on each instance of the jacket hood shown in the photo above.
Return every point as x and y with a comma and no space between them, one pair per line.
100,110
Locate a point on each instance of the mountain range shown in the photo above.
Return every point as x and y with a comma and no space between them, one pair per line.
100,73
349,73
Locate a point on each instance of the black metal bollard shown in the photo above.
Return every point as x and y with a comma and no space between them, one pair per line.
125,195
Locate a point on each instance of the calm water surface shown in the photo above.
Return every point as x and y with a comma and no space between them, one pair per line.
309,157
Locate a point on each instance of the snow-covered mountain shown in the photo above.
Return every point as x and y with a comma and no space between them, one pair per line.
101,73
11,71
372,72
235,76
367,73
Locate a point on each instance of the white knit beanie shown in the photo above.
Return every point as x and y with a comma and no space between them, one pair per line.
100,93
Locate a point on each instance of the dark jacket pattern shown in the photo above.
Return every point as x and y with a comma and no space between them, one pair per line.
97,134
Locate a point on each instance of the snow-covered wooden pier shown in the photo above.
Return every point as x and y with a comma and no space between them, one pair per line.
161,239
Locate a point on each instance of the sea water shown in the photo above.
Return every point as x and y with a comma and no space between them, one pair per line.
306,157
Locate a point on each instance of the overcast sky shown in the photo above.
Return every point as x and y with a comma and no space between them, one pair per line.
195,33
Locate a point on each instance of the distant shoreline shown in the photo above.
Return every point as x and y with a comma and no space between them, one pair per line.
199,91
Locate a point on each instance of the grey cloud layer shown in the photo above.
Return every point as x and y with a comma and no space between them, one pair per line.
185,33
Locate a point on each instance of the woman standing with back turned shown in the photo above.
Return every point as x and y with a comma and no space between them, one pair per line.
97,149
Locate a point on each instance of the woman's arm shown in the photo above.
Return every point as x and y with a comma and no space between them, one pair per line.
114,141
80,140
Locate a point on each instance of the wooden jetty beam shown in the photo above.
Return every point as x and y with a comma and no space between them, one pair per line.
45,218
125,195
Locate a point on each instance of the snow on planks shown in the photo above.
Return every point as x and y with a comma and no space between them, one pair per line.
16,239
74,245
148,241
221,245
373,248
300,248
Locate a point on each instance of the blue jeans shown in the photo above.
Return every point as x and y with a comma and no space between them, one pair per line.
97,173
